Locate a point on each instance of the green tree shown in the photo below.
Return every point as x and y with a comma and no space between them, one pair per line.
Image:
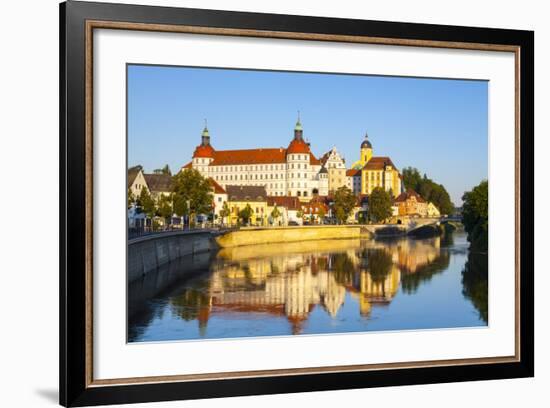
164,207
131,198
275,214
475,216
246,214
379,205
411,178
428,189
344,202
192,193
224,212
147,203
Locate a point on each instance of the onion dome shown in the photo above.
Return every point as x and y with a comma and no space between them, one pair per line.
366,143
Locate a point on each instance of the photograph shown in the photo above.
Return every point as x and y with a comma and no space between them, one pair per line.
288,203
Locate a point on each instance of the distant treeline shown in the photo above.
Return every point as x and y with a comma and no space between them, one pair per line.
428,189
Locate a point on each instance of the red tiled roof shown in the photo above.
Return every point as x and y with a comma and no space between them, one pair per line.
216,187
353,172
407,195
297,146
188,165
204,151
291,203
249,156
313,159
254,156
378,163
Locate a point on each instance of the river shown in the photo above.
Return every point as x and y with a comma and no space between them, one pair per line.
312,287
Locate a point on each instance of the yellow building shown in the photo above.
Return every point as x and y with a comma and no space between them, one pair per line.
238,197
377,171
432,210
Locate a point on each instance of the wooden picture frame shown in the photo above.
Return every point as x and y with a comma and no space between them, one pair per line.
78,20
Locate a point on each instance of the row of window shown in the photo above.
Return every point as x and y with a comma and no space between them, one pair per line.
298,156
222,169
257,176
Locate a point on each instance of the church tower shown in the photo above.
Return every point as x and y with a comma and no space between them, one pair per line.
366,150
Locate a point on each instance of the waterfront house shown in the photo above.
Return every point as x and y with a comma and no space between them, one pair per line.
412,204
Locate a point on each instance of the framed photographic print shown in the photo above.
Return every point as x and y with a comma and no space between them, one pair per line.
256,203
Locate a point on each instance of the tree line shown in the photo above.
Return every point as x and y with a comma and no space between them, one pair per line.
428,189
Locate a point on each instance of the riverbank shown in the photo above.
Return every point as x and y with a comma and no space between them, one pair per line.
147,253
259,236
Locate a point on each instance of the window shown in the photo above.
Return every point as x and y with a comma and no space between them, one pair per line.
219,199
298,193
305,193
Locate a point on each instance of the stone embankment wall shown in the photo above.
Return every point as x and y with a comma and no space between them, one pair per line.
150,252
255,236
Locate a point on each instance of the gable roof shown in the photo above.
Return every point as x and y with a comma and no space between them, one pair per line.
291,203
323,159
252,156
132,174
159,183
408,195
246,193
353,172
378,163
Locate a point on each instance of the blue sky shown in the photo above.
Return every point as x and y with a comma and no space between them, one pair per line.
436,125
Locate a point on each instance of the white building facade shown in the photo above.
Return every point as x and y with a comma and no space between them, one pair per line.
292,171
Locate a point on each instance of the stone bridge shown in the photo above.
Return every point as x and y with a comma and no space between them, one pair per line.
407,225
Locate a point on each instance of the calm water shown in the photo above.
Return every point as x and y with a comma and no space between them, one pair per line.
331,286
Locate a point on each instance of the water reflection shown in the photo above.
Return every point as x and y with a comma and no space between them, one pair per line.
311,287
475,281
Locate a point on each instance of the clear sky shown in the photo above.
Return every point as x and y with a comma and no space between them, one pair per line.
436,125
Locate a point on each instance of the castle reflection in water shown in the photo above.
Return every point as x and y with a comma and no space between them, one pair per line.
291,280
